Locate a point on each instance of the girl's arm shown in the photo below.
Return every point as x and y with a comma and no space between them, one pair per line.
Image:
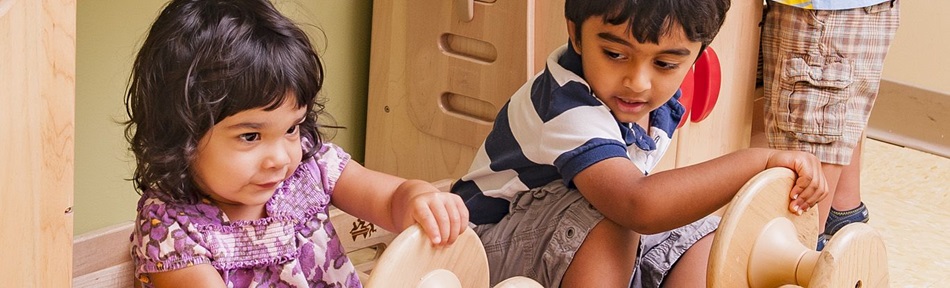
395,203
201,275
673,198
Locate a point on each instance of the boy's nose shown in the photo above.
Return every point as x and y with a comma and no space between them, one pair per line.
637,82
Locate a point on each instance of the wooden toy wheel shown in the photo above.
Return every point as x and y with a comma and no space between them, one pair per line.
855,257
763,199
760,244
412,261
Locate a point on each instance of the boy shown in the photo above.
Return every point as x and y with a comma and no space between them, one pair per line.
561,190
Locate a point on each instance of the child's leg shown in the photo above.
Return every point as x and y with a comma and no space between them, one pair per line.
542,233
848,190
605,259
690,270
676,258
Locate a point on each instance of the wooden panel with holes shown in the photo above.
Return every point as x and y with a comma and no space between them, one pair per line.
438,77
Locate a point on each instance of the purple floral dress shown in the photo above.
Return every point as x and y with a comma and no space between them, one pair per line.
294,246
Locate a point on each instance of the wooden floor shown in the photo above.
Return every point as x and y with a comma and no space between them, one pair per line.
908,195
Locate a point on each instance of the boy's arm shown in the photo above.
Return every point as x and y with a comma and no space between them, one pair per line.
673,198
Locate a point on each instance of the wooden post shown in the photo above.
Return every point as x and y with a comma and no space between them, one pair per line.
37,100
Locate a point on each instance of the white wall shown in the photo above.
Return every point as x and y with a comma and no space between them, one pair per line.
920,53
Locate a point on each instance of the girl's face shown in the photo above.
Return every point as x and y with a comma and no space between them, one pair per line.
630,77
242,159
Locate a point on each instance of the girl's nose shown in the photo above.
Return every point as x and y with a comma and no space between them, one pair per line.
278,157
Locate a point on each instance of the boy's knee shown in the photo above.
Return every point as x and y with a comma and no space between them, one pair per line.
606,258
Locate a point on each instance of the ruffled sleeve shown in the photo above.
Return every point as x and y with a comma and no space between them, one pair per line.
164,239
331,159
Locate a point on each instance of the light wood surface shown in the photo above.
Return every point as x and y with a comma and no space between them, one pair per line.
411,258
102,258
37,91
437,82
728,127
907,193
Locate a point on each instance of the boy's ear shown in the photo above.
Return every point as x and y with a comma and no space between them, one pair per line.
572,34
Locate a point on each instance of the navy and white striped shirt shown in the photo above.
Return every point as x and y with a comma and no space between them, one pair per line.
552,128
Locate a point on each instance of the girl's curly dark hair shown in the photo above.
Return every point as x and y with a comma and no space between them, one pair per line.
202,61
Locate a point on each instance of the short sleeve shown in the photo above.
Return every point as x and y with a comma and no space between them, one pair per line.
572,147
332,160
164,239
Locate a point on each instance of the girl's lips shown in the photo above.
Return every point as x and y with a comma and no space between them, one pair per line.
270,185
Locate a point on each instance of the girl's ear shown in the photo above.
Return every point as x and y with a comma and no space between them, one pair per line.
573,37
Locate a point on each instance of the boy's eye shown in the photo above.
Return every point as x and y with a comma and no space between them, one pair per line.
250,137
613,55
666,65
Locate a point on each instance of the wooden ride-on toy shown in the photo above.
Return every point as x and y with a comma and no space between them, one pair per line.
760,244
410,260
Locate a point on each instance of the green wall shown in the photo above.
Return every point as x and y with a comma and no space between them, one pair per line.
108,35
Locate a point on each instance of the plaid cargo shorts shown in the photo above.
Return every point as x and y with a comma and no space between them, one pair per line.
821,71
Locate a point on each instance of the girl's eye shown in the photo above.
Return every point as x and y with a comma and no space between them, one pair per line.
250,137
665,65
294,129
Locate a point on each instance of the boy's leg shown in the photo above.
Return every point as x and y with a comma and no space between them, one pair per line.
544,230
676,258
599,258
690,270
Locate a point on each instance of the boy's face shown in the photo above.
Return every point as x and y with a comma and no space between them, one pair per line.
632,78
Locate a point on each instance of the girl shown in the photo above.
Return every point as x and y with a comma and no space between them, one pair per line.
234,175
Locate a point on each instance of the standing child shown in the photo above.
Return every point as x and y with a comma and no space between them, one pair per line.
235,177
822,62
562,189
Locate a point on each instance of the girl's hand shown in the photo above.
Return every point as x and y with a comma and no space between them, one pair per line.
442,215
810,186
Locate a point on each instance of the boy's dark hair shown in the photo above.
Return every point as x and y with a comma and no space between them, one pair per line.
202,61
650,19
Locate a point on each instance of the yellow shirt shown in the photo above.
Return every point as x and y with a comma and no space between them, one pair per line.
829,4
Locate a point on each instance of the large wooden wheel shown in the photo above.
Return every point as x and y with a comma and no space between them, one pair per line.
412,261
760,244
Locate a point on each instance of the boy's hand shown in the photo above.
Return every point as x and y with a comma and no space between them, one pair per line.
810,186
442,215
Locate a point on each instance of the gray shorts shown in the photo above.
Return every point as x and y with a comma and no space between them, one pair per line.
547,225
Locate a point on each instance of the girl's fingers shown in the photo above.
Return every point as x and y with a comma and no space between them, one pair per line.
442,220
454,223
430,226
443,216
